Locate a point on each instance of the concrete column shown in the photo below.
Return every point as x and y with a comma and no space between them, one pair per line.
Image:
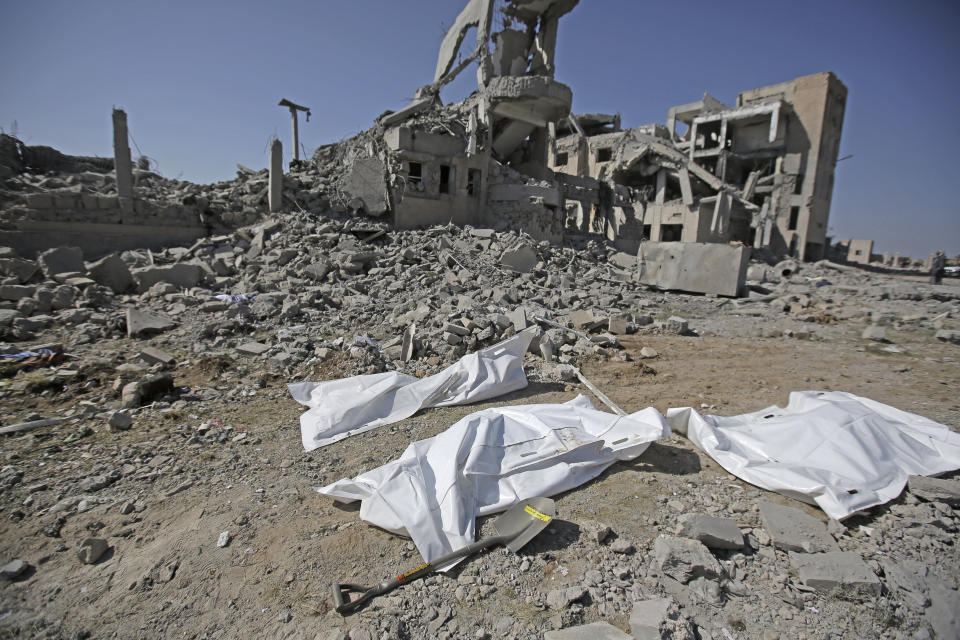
275,195
121,160
661,186
296,136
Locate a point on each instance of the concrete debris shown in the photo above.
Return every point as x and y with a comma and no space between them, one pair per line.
140,323
715,532
935,489
592,631
684,560
14,569
695,266
659,619
793,530
835,570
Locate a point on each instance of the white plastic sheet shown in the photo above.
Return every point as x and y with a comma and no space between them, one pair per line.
345,407
843,452
490,460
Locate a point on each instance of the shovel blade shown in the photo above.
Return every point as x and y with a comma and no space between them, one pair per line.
524,520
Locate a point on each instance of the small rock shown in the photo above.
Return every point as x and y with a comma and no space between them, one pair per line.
120,421
14,569
223,539
91,550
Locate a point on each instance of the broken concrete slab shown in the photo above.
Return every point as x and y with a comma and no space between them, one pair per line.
61,260
841,570
182,275
16,291
658,619
18,268
684,560
522,258
111,272
713,531
592,631
253,348
908,578
142,324
697,267
935,489
152,355
793,530
617,325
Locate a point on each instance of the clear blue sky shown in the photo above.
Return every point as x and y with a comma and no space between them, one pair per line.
200,81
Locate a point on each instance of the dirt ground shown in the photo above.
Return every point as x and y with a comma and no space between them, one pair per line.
165,576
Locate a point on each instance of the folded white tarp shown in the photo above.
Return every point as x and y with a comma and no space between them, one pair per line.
838,450
490,460
345,407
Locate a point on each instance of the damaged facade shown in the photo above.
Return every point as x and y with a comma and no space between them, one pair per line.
513,156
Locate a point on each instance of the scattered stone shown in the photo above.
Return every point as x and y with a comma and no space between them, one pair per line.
111,272
946,335
14,569
91,550
223,539
714,532
120,421
677,325
835,570
649,352
523,259
562,598
793,530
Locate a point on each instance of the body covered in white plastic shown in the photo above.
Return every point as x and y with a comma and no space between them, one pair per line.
490,460
837,450
346,407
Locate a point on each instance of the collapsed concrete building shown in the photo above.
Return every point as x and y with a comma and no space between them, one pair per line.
512,155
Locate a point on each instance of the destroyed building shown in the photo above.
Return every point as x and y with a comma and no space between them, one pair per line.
512,156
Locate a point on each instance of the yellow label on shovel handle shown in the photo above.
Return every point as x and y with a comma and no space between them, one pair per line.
405,576
536,514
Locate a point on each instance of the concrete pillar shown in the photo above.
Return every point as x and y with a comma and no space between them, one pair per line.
296,136
275,195
661,186
121,160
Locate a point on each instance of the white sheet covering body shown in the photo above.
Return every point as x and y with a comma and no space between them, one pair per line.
490,460
342,408
843,452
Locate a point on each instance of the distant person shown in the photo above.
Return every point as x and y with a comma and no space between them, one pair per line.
937,266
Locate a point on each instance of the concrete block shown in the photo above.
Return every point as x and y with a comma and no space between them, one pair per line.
698,267
522,258
518,317
592,631
182,276
61,260
617,326
835,570
793,530
582,318
935,489
875,333
253,348
19,268
715,532
677,325
684,560
38,200
623,260
141,324
151,355
658,619
16,291
7,316
111,272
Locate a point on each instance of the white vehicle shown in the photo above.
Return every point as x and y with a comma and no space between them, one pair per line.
952,272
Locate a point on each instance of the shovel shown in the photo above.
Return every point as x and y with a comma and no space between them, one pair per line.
517,526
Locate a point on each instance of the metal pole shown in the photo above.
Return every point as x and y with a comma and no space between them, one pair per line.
296,135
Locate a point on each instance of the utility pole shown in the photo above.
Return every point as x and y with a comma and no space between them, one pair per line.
296,132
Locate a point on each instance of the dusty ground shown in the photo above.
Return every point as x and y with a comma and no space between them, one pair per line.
166,577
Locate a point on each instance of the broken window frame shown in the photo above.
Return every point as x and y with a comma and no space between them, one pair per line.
794,221
448,182
474,179
604,154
